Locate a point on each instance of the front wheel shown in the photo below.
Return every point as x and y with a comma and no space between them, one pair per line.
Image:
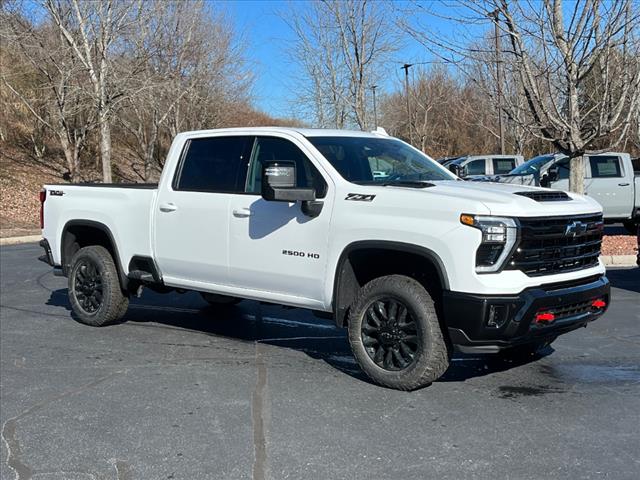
94,288
395,334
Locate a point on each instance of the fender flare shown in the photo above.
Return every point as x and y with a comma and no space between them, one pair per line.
338,279
124,280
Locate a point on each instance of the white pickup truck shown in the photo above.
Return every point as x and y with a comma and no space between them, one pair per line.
610,178
414,262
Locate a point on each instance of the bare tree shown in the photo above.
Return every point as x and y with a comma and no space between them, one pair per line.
575,63
341,47
449,114
194,77
94,31
46,82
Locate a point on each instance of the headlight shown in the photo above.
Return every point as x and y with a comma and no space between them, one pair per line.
499,235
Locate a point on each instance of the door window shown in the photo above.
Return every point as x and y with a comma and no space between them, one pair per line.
475,167
604,166
563,168
503,165
272,149
216,164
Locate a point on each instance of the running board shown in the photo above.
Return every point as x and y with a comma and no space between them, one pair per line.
141,276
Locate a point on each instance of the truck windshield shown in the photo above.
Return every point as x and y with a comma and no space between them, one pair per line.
532,166
366,160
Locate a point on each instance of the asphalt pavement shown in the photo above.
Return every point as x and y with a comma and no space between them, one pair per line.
185,391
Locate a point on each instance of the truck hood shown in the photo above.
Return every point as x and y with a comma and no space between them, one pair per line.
501,199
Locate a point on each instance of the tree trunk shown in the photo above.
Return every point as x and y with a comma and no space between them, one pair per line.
576,175
70,154
105,148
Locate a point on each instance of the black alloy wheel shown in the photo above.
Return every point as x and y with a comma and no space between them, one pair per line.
395,333
87,286
95,293
390,334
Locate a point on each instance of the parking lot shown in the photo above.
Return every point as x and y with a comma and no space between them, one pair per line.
186,391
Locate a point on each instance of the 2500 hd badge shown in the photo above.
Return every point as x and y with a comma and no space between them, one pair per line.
297,253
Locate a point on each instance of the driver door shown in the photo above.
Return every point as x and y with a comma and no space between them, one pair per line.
273,246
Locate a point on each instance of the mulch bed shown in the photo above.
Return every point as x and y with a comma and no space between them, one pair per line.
619,245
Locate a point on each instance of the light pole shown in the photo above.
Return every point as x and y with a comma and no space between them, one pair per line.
495,16
375,112
405,67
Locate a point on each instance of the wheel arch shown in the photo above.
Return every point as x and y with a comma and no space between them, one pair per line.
355,268
77,234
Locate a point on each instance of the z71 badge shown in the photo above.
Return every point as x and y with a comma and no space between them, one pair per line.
56,193
360,197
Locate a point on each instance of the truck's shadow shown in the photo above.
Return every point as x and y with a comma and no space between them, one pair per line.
625,278
295,329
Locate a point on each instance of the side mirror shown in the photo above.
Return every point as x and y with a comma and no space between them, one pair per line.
279,185
552,173
457,170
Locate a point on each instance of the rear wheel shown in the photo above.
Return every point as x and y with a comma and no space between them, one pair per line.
395,334
215,299
94,288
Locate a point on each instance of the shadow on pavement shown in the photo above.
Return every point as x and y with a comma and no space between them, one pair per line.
616,229
625,278
295,329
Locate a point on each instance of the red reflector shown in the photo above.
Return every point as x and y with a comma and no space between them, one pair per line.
545,317
599,303
43,197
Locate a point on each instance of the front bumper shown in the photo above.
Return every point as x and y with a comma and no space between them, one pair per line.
494,322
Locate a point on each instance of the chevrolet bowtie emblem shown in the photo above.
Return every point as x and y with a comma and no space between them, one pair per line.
575,229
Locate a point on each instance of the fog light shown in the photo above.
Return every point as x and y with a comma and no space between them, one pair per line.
497,316
545,317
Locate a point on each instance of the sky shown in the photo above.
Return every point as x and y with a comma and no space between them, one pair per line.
267,38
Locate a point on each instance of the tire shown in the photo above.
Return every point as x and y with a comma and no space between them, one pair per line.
414,351
631,226
217,300
94,287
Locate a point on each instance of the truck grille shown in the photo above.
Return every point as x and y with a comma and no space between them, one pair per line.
557,244
573,310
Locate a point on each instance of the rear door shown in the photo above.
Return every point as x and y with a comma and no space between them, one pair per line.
192,217
502,166
607,183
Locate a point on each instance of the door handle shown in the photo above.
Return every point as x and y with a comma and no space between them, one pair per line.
623,184
168,207
242,212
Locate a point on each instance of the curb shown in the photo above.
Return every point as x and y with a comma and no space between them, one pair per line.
609,260
19,240
619,260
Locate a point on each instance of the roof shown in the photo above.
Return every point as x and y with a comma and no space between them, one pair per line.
307,132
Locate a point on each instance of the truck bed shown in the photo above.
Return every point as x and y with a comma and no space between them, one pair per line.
124,209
